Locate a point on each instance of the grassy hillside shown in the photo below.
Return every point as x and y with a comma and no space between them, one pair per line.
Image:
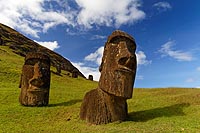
150,110
21,45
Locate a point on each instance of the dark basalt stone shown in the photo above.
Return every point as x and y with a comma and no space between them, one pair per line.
108,103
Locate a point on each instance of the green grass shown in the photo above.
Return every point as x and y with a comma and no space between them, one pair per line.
150,110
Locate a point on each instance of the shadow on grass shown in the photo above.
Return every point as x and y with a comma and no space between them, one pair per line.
169,111
68,103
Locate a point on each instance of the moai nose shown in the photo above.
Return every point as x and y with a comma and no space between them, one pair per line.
37,77
127,61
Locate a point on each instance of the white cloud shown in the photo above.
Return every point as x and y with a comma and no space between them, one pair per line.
37,16
162,6
96,56
139,77
190,80
141,58
167,50
97,37
108,12
94,71
50,45
198,68
32,17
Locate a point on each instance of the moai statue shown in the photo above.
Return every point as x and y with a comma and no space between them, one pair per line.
108,103
35,80
75,73
58,68
90,77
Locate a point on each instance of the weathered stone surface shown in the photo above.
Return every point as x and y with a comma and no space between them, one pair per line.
107,103
35,80
75,73
99,107
90,77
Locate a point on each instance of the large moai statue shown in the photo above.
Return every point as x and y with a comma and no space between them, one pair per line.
35,80
108,103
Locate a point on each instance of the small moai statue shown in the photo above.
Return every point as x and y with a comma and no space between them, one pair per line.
35,80
107,103
58,68
1,40
90,77
75,73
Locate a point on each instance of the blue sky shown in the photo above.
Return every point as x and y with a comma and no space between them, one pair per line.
167,34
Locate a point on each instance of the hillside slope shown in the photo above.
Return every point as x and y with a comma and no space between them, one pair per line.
21,45
150,110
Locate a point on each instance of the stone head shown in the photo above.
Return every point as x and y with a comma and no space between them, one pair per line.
118,67
75,73
35,80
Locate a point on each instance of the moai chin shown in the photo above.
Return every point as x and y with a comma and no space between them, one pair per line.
108,103
35,80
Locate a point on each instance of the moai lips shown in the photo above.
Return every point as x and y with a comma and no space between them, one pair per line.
35,80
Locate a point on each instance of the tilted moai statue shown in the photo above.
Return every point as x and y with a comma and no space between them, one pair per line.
108,103
35,80
75,73
90,77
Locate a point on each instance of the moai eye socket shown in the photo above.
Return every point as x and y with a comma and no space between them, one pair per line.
123,60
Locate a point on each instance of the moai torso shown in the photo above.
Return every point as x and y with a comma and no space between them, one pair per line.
35,80
108,103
